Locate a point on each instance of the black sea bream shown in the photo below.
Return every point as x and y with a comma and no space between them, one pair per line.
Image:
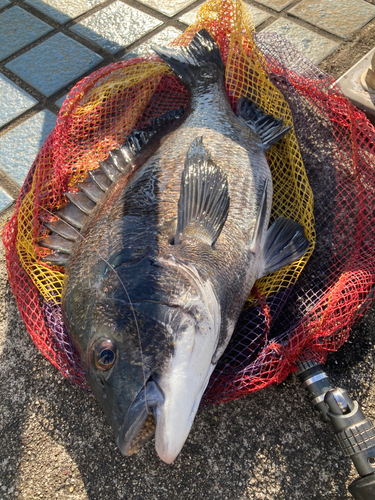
169,252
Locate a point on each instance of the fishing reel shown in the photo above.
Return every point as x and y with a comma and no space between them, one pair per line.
354,432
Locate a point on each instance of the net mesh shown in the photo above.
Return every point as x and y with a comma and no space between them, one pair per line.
328,157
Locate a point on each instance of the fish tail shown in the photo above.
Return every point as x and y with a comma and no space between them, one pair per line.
201,55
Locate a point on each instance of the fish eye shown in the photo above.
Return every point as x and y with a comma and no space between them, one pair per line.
104,354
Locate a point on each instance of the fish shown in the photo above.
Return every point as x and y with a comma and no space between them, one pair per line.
162,245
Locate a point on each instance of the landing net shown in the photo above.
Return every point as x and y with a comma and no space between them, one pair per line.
323,176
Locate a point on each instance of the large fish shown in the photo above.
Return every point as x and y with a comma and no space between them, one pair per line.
174,234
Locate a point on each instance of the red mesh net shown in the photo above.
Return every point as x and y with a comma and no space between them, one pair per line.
305,319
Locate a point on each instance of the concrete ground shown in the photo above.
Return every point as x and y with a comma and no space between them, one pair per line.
55,442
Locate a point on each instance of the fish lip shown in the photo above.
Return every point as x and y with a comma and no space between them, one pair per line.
144,404
168,449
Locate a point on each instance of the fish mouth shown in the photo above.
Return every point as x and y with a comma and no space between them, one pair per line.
140,422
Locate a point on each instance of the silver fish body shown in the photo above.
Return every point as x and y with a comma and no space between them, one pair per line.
156,282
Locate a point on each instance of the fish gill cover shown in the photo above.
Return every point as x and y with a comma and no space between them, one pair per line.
302,311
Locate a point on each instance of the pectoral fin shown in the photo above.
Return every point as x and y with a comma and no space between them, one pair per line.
284,243
204,200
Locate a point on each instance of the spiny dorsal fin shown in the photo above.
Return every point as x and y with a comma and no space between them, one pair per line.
58,243
56,258
202,53
63,229
269,128
204,201
284,243
91,190
81,203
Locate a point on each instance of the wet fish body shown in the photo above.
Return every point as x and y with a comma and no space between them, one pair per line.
169,255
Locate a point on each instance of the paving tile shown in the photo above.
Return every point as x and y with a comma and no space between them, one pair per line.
54,63
5,200
168,7
64,10
189,17
18,28
258,16
163,38
13,100
4,3
277,5
61,100
19,147
116,26
315,47
340,17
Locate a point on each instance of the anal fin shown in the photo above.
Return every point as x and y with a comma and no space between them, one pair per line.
284,243
204,200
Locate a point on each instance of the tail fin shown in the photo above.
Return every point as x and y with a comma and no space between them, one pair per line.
202,54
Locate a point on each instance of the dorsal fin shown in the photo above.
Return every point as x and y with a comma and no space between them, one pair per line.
269,128
81,203
204,200
58,243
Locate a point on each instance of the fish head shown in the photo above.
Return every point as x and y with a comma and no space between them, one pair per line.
148,359
119,361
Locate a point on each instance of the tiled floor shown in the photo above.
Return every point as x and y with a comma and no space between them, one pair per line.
47,46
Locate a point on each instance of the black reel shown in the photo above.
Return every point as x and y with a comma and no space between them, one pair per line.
354,432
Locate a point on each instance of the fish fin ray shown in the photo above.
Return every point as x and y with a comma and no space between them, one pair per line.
63,229
138,139
204,200
187,61
58,243
261,220
56,258
91,189
285,242
81,203
269,128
